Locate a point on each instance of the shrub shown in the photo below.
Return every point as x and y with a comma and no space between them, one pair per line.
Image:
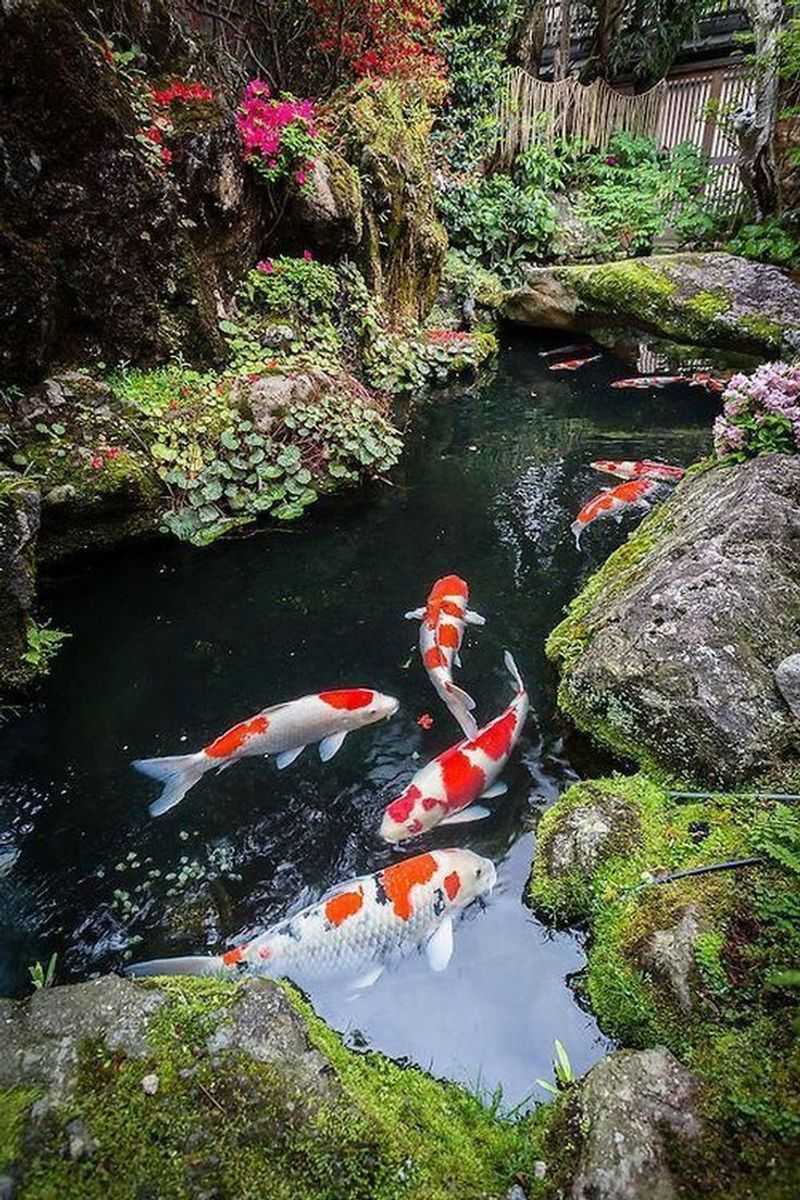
768,241
761,413
279,137
498,223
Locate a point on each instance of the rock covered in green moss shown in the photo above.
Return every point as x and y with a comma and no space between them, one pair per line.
190,1088
19,529
710,299
668,654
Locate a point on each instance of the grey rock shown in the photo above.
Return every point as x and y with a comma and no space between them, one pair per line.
20,512
787,679
539,1169
758,309
7,1188
516,1193
271,396
586,834
277,337
150,1084
668,954
265,1026
60,495
630,1105
679,649
329,206
81,1143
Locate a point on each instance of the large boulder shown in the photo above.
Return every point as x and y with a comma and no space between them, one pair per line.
668,655
639,1110
710,299
19,528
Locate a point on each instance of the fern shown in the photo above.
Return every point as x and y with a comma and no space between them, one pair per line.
778,837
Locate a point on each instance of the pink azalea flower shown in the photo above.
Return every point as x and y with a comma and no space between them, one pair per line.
265,266
308,256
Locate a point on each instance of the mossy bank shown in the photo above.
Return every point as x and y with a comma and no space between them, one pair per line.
706,964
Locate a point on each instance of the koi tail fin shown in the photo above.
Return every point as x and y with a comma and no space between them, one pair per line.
178,774
201,964
577,530
513,670
461,705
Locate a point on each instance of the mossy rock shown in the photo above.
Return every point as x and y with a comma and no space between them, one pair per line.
191,1087
711,299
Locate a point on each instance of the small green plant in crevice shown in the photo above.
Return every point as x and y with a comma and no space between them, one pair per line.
41,976
768,241
562,1070
43,644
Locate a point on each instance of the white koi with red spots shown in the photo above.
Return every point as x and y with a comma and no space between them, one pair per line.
359,927
445,790
612,503
440,636
283,730
644,468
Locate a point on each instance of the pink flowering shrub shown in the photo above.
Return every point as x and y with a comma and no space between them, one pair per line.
761,413
279,137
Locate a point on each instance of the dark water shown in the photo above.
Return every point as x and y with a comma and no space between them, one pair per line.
171,646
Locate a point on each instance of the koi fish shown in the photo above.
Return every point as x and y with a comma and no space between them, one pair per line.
283,730
704,379
650,381
644,468
575,349
358,927
444,792
610,503
572,364
440,636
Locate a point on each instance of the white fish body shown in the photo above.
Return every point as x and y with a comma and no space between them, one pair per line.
359,927
446,789
440,636
283,730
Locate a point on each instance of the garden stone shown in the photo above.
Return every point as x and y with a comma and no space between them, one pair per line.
669,955
787,678
670,658
637,1109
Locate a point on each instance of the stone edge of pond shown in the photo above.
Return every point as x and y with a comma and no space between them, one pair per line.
690,969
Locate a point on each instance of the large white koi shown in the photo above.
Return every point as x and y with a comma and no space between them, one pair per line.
440,636
283,730
445,790
359,927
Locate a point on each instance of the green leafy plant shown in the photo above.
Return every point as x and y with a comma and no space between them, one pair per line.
43,977
498,222
766,241
43,644
562,1069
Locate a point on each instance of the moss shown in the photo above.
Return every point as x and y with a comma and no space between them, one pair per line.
247,1129
708,305
765,331
624,287
14,1106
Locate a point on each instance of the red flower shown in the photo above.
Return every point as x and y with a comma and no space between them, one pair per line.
166,156
308,256
265,266
96,462
154,134
425,720
113,452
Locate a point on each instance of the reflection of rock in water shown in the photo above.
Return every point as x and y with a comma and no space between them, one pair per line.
531,513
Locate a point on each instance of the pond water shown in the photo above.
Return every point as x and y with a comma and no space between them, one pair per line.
171,646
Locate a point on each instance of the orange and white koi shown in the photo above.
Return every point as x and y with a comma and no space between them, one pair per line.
644,468
283,730
441,633
358,928
706,380
572,364
445,790
611,503
650,381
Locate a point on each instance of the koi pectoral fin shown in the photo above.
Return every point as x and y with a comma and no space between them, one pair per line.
367,979
473,618
416,614
288,757
439,947
475,812
497,789
330,745
457,660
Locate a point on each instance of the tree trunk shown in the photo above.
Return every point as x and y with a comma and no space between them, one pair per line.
755,130
527,37
564,41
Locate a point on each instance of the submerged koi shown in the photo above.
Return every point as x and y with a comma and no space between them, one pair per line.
611,503
283,730
358,927
440,636
445,790
644,468
704,379
572,364
574,349
650,381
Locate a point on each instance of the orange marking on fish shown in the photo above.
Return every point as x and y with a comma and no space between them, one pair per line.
234,956
345,905
452,884
449,636
434,658
348,698
451,609
463,781
398,881
448,585
496,738
228,743
400,809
